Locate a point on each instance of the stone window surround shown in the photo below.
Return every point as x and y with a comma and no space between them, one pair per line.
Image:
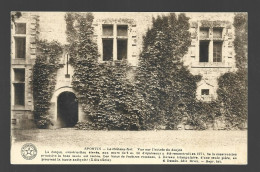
115,38
15,35
211,42
13,88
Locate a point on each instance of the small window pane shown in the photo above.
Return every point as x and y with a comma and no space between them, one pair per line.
204,33
107,30
122,30
217,51
217,32
205,92
121,49
20,48
19,75
107,49
20,28
19,94
204,51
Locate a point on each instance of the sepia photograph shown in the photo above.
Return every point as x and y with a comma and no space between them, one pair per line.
129,87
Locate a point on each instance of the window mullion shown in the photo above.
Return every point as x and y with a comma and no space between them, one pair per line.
211,45
114,42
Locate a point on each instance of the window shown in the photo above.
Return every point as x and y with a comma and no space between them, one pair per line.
20,47
107,30
217,32
107,49
217,51
121,30
19,75
19,89
204,51
114,42
210,45
204,91
121,49
20,28
204,33
19,94
205,96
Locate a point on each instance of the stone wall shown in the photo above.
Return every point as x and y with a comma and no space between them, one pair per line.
22,116
52,27
210,71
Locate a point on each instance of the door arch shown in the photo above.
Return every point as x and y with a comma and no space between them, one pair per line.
67,109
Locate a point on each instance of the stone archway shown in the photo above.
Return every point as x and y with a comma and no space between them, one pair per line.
67,109
54,106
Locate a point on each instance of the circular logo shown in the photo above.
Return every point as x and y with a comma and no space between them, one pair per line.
28,151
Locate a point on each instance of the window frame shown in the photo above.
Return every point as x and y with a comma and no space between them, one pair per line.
200,55
106,39
106,26
217,28
15,47
205,29
203,90
115,38
16,83
220,46
15,29
212,57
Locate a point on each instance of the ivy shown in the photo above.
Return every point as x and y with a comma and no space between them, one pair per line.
232,92
44,79
15,15
166,87
163,93
103,89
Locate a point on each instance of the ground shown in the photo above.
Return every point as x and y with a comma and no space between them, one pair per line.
71,136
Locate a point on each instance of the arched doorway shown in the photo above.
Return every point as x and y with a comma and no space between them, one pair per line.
67,110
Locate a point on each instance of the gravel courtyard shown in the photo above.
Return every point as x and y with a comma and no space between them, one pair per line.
71,136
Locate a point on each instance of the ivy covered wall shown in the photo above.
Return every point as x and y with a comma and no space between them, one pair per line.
233,87
103,90
44,79
162,91
165,85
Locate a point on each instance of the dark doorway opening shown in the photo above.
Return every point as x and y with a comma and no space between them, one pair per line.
67,109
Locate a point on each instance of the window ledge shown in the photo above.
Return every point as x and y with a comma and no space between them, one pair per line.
205,39
19,61
19,35
206,98
107,37
218,39
121,37
210,65
20,107
18,82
